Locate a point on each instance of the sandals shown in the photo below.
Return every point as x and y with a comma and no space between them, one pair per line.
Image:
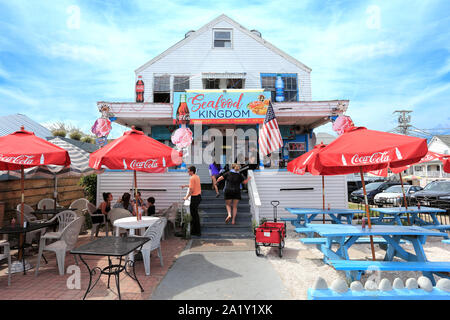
227,219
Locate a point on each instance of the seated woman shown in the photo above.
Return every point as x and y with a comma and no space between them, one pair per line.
125,202
104,207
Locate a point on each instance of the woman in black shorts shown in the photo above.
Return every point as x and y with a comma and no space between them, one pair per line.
232,190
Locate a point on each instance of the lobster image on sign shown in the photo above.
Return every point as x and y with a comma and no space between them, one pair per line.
271,234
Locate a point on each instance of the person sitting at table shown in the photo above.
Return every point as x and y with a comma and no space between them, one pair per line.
151,206
140,202
104,207
124,202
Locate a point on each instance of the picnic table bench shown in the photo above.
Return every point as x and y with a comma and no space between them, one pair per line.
307,215
395,215
361,266
347,235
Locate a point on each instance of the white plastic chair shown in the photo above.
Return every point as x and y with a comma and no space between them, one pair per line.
154,232
64,219
48,203
28,217
80,208
69,237
118,213
96,226
6,255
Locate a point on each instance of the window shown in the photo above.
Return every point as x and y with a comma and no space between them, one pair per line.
222,38
161,89
290,85
211,83
235,83
180,84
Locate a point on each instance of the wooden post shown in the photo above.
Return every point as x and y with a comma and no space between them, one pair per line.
22,207
366,202
323,197
135,195
54,191
404,197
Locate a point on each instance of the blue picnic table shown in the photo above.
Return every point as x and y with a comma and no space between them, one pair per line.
307,215
396,214
345,236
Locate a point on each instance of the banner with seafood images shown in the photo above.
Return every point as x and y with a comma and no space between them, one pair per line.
221,106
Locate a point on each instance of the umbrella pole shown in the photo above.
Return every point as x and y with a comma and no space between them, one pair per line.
22,207
135,195
404,197
367,212
323,198
54,191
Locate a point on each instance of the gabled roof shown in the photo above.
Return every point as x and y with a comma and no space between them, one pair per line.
220,18
444,138
85,146
12,123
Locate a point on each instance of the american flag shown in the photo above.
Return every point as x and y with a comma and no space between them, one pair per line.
269,133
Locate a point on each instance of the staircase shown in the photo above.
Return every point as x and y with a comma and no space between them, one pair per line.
213,212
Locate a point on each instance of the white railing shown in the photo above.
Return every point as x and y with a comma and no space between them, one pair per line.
255,201
432,174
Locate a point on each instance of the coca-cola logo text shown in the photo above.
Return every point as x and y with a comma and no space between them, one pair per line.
21,159
377,157
147,164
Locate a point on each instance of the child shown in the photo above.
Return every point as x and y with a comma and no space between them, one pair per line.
151,206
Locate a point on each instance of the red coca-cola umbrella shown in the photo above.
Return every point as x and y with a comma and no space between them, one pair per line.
430,156
361,150
446,162
305,163
138,152
22,149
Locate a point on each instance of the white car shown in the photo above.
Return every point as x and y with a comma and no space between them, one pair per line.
393,196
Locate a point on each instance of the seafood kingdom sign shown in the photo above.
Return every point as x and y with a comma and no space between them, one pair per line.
222,106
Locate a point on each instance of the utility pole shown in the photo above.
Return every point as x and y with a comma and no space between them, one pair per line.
404,119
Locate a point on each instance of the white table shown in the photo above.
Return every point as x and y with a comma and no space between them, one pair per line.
131,223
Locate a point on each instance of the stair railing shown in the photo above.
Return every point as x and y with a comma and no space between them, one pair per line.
255,201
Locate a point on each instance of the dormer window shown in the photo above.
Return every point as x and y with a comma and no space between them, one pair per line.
222,38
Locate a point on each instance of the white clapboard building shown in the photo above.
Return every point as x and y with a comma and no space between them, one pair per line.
225,58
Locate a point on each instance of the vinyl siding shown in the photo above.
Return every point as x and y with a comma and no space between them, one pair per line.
269,184
118,182
247,55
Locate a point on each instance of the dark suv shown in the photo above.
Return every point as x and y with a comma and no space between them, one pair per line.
372,189
435,194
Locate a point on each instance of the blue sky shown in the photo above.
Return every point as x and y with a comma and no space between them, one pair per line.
58,58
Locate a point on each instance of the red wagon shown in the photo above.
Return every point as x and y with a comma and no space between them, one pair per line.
271,234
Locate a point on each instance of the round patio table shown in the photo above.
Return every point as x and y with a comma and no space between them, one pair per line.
131,223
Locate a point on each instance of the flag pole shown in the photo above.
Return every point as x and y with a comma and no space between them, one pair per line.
366,202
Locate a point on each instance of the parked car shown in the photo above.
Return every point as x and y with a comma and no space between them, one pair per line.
435,194
393,196
371,189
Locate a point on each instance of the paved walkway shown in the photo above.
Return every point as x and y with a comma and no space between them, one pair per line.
232,275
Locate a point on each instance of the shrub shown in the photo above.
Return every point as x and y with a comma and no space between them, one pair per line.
89,183
59,133
87,139
76,134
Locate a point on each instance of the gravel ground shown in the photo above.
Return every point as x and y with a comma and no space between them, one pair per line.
301,264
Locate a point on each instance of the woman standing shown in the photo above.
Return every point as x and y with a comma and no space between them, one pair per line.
232,191
214,172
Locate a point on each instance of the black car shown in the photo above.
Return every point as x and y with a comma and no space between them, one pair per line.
371,189
435,194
